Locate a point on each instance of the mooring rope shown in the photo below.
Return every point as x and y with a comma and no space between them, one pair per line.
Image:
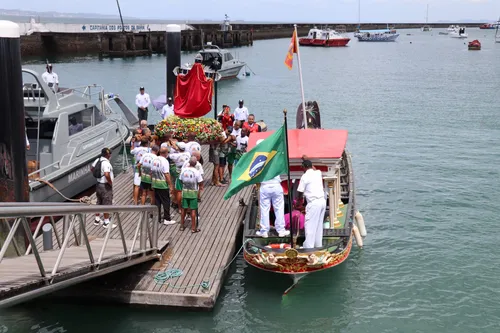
162,278
87,200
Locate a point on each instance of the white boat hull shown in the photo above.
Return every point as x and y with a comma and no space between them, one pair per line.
462,36
229,73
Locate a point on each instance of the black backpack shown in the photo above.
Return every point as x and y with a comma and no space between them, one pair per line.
97,169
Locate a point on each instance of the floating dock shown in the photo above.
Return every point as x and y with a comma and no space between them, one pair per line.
202,257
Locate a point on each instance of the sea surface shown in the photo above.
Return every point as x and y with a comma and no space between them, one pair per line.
424,131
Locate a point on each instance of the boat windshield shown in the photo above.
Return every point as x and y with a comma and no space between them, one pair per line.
210,58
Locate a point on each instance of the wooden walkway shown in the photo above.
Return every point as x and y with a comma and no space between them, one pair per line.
201,256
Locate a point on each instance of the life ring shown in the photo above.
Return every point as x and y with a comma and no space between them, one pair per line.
278,246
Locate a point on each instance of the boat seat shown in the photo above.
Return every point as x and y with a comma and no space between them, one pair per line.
345,232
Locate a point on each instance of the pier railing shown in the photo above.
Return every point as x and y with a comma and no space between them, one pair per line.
75,229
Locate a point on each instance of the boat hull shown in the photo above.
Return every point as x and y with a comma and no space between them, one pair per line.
292,262
73,182
378,38
334,42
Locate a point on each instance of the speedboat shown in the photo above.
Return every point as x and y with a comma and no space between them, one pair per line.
341,223
459,32
488,26
324,37
377,36
216,62
452,28
67,129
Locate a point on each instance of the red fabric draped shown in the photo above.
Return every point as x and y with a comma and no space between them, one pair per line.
193,97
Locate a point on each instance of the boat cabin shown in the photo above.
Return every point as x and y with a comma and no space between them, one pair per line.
322,34
329,156
51,119
214,57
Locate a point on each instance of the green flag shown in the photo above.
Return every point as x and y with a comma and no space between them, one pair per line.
265,161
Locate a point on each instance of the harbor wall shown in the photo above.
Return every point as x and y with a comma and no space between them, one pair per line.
106,42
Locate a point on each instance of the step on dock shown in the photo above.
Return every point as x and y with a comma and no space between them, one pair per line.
201,257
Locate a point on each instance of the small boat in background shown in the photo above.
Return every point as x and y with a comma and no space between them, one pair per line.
324,37
377,36
488,26
475,45
427,27
459,32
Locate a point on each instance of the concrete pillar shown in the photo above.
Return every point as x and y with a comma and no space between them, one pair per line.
173,45
13,168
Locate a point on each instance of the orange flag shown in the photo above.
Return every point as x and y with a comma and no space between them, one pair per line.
291,50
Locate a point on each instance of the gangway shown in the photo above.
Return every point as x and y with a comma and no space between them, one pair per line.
76,257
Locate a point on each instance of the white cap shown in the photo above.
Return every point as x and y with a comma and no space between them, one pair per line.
259,141
173,28
9,29
181,145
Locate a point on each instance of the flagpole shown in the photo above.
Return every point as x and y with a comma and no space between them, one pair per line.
290,189
300,77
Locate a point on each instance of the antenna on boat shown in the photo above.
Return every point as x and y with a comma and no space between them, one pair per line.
289,181
120,12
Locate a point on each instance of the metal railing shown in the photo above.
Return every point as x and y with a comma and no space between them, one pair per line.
73,219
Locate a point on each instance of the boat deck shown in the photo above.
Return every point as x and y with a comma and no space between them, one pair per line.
201,257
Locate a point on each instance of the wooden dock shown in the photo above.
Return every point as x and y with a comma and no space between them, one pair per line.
202,256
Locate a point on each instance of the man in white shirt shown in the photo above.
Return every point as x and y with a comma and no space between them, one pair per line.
241,112
142,101
51,78
168,109
271,192
145,167
311,186
179,160
104,187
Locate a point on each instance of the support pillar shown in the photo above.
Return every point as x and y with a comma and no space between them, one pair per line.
13,168
173,45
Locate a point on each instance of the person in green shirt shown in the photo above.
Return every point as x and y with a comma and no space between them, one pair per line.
191,180
162,185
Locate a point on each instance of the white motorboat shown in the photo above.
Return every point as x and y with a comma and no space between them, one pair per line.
216,62
459,32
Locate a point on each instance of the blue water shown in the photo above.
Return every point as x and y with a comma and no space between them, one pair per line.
424,131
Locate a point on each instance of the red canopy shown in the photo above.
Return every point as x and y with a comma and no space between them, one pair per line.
314,143
193,94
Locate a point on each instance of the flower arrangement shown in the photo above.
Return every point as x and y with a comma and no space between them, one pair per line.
207,130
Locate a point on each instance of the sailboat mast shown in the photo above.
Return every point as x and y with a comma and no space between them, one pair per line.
427,15
121,18
359,14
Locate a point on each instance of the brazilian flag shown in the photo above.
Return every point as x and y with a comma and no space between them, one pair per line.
265,161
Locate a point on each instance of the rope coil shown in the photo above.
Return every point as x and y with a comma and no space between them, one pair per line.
162,277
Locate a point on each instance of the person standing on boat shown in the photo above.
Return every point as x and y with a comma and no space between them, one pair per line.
168,109
51,78
311,187
250,125
142,101
162,185
271,192
241,112
104,187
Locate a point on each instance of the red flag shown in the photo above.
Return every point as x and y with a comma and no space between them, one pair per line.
291,50
193,93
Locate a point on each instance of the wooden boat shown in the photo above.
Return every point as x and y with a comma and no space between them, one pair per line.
275,254
475,45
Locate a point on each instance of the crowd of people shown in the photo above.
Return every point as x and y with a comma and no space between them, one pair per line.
170,173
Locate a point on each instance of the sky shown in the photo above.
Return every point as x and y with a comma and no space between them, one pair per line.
390,11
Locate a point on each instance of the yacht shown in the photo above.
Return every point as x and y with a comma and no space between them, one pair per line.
427,27
67,129
217,62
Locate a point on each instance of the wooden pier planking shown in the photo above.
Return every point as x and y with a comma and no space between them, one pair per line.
200,256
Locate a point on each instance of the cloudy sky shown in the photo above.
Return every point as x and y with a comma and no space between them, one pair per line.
278,10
